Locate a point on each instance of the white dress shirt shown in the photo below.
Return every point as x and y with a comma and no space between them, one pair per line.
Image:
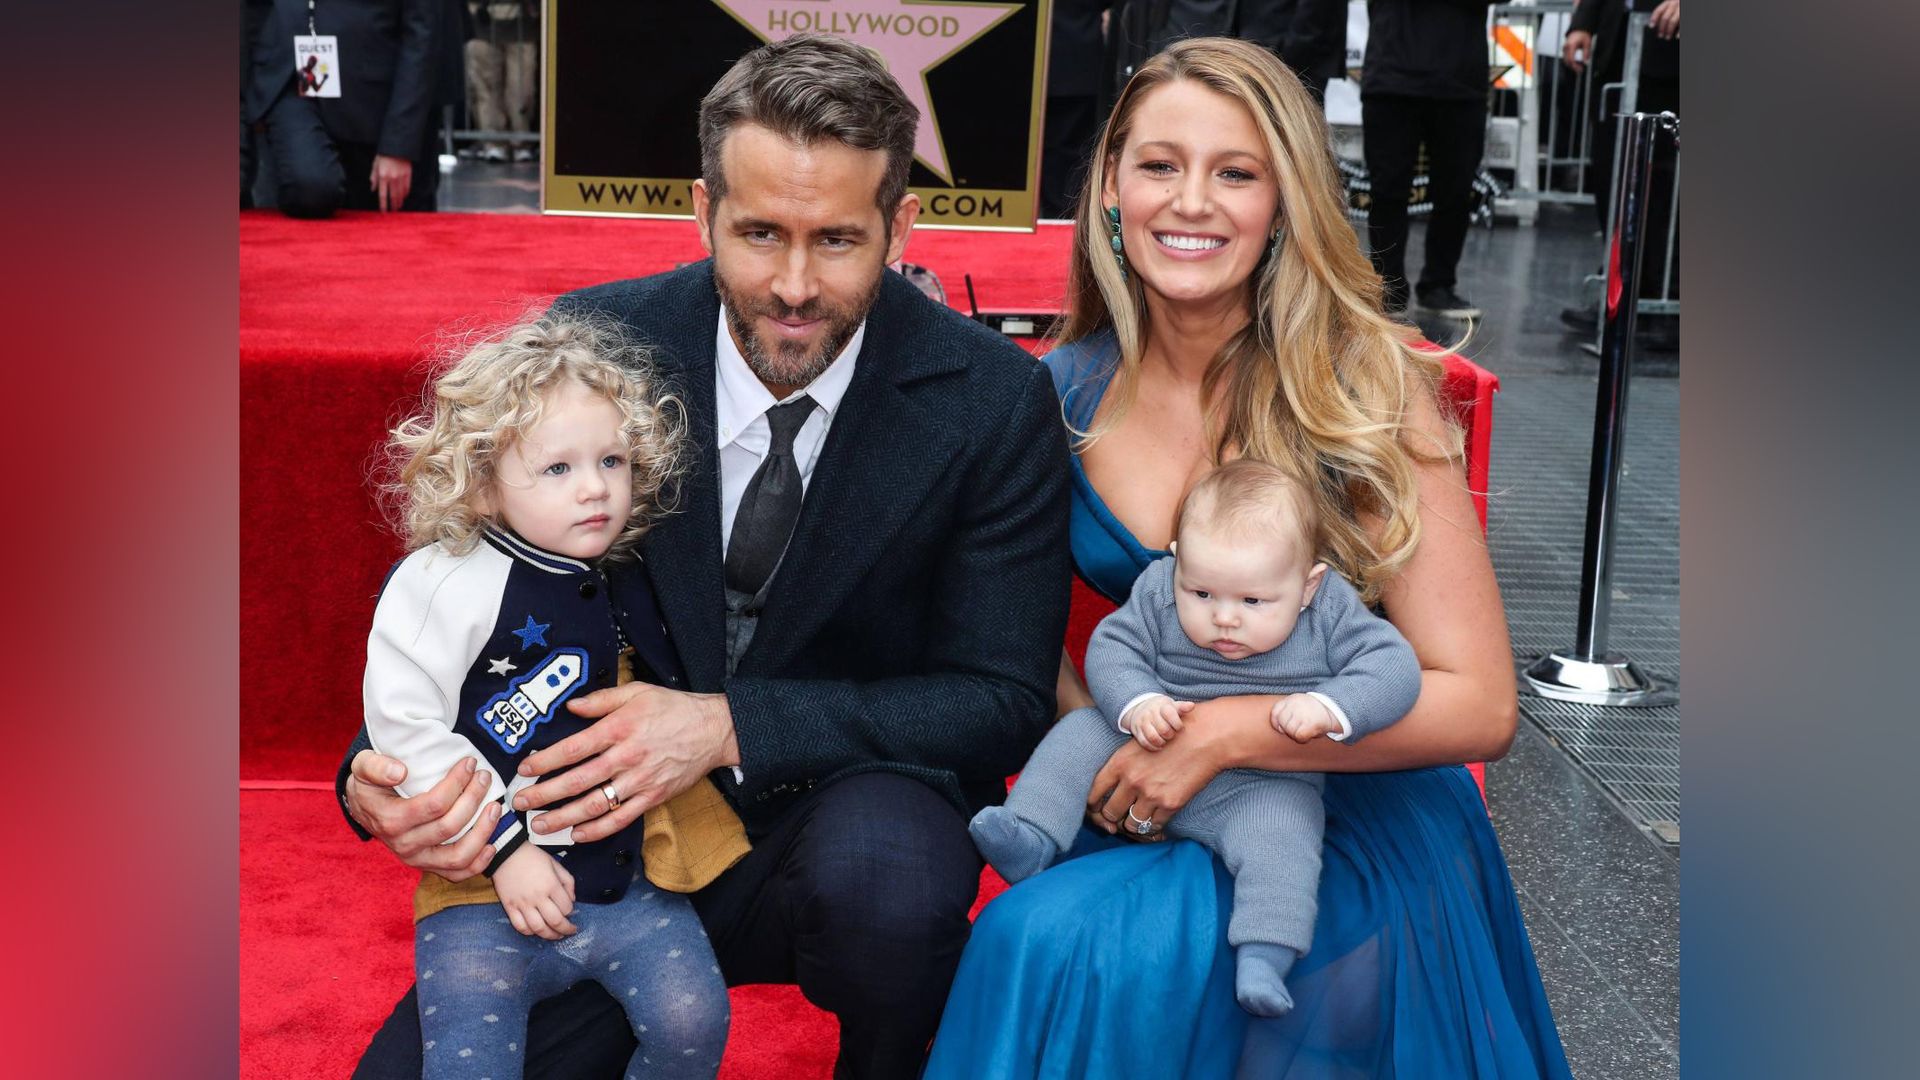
740,404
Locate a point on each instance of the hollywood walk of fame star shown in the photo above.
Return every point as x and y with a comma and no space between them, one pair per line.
876,24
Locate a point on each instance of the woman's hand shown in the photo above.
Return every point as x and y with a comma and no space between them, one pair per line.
1153,784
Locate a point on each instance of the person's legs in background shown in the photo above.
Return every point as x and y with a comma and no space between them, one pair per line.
1065,146
486,73
307,177
523,79
1390,139
1455,135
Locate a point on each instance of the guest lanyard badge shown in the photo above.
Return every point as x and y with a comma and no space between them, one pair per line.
316,62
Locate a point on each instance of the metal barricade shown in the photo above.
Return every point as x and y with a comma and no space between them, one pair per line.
1540,125
1627,90
1590,672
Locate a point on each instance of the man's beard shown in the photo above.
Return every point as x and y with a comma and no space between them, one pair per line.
791,363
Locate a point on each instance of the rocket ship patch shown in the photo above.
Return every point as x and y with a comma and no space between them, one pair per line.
532,699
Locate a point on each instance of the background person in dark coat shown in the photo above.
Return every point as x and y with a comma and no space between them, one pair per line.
1310,36
1424,80
371,148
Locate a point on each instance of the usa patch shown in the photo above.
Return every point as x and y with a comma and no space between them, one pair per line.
532,699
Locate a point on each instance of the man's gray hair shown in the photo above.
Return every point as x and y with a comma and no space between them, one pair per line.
806,88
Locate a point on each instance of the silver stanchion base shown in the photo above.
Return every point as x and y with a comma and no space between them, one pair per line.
1610,680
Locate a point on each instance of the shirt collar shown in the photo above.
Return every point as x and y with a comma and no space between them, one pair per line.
740,397
508,543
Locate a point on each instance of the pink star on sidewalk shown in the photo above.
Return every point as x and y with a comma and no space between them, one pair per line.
913,36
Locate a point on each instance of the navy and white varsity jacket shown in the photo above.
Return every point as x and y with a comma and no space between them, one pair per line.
478,654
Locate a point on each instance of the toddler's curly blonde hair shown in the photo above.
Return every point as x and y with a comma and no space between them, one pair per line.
472,411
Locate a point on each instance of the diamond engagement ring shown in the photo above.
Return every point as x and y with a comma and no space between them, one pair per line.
1139,826
613,797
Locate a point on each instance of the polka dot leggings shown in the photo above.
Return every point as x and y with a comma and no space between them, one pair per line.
478,977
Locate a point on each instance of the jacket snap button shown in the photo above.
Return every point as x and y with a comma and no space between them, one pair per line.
606,894
587,590
622,858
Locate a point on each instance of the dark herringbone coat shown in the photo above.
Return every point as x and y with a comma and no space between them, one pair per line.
916,619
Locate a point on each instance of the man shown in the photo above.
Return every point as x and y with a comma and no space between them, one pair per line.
368,145
858,696
1423,81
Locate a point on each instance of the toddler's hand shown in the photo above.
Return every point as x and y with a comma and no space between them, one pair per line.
1303,718
1157,720
537,893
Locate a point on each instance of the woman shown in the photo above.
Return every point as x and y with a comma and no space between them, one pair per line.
1222,307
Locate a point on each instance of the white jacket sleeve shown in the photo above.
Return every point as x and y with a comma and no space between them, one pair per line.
432,621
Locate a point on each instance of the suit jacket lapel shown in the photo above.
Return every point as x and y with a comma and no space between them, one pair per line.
883,456
682,552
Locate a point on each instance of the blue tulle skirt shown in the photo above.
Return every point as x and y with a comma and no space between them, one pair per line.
1114,963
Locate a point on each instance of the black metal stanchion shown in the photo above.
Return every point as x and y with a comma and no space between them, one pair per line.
1589,672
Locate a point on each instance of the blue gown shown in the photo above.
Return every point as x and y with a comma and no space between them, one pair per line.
1114,962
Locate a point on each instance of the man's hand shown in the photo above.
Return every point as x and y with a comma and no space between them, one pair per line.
1665,19
537,893
1157,720
391,179
417,829
1578,48
650,744
1154,785
1303,718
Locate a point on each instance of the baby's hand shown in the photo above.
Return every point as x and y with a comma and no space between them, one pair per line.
1303,718
1157,720
537,893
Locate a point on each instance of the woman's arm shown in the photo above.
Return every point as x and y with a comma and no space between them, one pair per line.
1445,601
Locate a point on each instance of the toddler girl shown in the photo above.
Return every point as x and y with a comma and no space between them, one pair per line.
538,463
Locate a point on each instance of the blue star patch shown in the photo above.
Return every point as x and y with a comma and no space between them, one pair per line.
534,633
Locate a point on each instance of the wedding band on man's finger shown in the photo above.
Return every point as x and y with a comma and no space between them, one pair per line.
612,794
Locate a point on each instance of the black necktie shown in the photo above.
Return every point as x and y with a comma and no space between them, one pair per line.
770,505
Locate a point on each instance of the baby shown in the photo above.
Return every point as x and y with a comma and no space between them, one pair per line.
1244,606
524,486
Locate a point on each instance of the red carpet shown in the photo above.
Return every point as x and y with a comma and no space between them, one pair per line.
335,319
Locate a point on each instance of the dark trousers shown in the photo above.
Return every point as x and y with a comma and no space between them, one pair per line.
860,896
310,174
1066,146
1392,131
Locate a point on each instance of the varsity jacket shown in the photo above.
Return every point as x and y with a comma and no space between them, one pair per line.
478,654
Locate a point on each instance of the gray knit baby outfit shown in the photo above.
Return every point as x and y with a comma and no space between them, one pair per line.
1265,826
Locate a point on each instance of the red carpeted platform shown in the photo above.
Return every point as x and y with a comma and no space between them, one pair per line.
336,318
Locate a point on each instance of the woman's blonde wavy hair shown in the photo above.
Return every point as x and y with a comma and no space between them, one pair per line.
445,454
1320,382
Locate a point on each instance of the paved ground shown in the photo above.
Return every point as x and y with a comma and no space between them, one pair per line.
1587,805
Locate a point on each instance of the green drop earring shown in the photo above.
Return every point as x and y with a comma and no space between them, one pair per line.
1113,238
